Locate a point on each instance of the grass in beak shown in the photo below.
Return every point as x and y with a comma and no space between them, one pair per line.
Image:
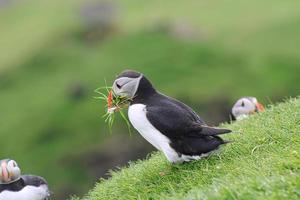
114,104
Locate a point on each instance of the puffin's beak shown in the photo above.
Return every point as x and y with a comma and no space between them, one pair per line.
259,107
5,174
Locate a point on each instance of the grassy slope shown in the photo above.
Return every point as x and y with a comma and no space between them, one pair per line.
262,163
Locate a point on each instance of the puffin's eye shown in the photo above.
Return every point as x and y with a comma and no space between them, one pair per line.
243,104
14,164
118,85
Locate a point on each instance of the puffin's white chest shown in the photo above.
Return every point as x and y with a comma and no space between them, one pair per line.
138,119
27,193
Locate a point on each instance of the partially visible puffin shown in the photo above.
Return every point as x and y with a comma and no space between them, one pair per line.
244,107
13,186
168,124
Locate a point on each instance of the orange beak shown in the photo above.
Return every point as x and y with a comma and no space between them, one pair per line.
4,174
260,107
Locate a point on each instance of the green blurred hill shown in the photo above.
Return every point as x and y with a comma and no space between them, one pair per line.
53,55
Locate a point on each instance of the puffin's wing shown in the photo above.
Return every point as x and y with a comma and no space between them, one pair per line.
174,122
170,120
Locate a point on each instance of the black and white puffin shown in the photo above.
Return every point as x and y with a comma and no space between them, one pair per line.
13,186
245,107
168,124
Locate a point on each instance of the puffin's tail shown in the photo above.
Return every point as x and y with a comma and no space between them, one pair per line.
213,131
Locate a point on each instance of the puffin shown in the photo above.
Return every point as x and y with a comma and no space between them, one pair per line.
245,107
168,124
14,186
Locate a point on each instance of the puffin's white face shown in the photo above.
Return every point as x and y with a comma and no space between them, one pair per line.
126,87
244,107
9,171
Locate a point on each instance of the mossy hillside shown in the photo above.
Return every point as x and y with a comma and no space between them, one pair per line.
262,163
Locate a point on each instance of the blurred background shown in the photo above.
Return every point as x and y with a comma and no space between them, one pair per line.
54,54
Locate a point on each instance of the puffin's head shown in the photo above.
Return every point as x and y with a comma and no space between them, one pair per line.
9,171
246,106
131,84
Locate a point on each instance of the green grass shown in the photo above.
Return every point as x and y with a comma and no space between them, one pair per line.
262,163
